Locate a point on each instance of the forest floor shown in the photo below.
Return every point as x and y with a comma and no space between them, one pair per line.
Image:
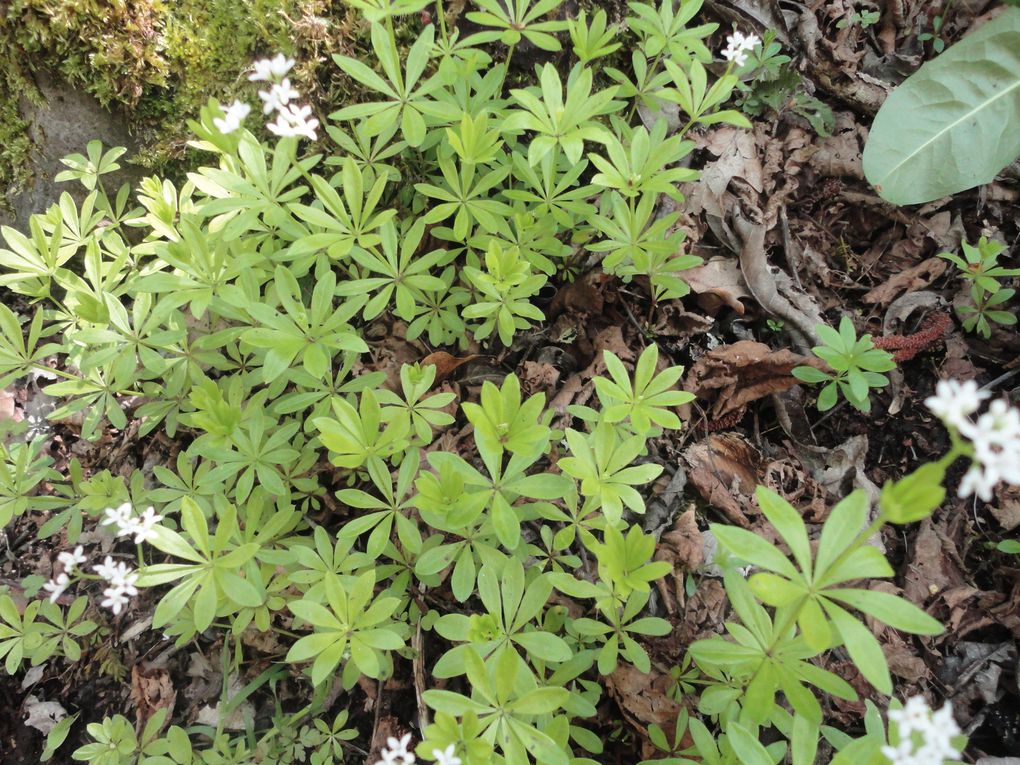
791,233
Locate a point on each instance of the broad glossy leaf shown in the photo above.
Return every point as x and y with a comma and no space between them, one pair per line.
952,124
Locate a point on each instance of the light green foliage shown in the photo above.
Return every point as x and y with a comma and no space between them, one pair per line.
856,365
979,266
354,629
923,146
43,631
592,41
647,400
314,504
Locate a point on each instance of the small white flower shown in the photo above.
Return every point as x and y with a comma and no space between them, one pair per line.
275,68
278,96
143,526
105,568
119,517
116,598
293,120
396,753
737,47
56,586
232,118
954,402
117,574
71,560
446,756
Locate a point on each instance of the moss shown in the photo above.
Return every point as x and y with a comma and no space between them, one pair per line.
162,59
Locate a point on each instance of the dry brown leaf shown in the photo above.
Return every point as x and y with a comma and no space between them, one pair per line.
724,468
1007,509
838,155
445,364
643,699
731,376
915,278
151,690
583,295
684,549
7,408
705,612
540,377
738,158
718,282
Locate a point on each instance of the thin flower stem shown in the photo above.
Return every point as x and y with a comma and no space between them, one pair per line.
441,15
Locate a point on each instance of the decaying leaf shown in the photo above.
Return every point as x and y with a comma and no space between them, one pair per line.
43,715
151,690
718,282
729,377
915,278
445,364
724,469
1006,508
683,548
643,699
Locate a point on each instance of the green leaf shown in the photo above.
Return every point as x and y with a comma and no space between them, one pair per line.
952,124
748,749
862,646
893,610
752,548
789,524
914,496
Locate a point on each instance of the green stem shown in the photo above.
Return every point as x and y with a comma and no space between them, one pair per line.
441,15
506,66
651,75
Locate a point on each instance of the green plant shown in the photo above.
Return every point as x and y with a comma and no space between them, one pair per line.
326,519
972,128
979,266
863,18
856,366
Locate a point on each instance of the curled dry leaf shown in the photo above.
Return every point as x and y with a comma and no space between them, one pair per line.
445,364
725,469
729,377
718,282
1006,508
683,548
915,278
540,377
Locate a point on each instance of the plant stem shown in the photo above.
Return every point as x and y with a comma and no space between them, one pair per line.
441,14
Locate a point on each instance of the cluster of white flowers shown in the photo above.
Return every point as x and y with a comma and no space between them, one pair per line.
127,523
292,119
122,584
396,753
232,117
70,561
120,578
924,736
995,435
737,47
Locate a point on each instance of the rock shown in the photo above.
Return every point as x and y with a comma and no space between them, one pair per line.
63,124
